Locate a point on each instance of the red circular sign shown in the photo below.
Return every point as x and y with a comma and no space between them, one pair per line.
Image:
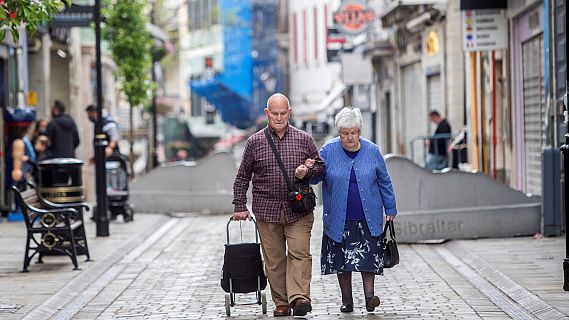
353,17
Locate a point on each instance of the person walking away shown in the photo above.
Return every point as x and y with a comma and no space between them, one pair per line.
285,235
110,129
62,133
437,158
356,193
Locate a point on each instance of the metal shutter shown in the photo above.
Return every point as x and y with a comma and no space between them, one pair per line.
534,101
415,117
434,93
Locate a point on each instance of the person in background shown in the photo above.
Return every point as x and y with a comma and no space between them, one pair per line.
40,143
356,193
19,151
110,129
437,158
40,128
62,133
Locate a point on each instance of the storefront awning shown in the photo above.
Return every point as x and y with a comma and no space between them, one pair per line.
313,112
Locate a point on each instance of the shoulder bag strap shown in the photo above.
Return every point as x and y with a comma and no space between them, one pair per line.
279,160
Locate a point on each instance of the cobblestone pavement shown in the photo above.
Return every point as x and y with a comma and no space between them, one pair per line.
179,278
175,273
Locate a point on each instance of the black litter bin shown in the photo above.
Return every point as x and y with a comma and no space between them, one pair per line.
61,180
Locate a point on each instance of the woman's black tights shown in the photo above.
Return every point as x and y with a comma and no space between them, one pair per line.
345,281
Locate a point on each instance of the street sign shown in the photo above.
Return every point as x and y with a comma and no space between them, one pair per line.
74,16
485,29
336,43
353,17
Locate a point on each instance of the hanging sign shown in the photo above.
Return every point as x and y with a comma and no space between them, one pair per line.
485,29
353,17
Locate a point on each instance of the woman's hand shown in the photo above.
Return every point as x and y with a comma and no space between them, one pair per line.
389,218
309,163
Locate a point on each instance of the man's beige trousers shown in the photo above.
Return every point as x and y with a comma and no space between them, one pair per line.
289,274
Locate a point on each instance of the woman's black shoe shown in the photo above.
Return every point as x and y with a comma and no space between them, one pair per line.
372,303
347,308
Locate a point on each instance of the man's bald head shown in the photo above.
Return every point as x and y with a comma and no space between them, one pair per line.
278,99
278,112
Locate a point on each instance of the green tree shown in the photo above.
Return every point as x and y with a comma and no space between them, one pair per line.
130,45
31,13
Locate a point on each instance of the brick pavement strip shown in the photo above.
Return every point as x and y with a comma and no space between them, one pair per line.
526,265
178,278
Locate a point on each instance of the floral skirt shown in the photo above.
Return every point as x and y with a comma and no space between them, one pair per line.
359,251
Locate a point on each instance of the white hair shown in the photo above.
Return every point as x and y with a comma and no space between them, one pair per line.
349,118
279,95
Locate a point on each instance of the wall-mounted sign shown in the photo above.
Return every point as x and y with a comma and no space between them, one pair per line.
353,17
484,29
483,4
32,99
432,43
74,16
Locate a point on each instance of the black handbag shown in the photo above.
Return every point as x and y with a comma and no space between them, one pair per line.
300,195
390,251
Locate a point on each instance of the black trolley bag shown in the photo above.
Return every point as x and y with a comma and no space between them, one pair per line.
243,270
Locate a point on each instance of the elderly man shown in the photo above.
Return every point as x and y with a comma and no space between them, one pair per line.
280,229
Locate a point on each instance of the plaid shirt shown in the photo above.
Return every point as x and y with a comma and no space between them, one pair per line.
269,186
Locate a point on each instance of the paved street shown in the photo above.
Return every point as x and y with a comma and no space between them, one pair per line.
165,267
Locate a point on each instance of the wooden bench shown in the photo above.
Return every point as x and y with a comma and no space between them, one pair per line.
52,229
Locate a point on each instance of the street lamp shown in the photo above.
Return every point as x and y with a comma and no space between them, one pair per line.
100,137
565,151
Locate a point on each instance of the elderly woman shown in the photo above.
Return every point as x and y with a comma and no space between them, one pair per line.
356,192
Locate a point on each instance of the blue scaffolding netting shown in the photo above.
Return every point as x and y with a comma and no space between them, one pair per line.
250,72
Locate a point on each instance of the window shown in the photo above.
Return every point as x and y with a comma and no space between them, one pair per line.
295,37
304,37
203,14
315,34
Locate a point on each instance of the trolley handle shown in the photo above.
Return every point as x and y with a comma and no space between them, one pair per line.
241,229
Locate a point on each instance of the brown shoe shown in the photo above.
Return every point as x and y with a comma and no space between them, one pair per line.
301,307
282,311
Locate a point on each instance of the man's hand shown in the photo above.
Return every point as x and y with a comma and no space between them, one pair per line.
301,171
242,215
108,151
389,218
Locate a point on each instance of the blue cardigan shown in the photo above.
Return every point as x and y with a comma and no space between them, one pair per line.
374,183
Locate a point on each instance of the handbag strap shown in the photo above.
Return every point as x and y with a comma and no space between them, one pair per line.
279,160
389,226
